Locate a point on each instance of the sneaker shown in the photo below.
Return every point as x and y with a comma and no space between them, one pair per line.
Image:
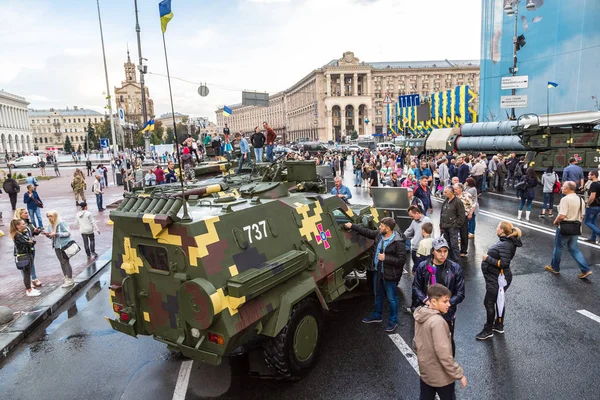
390,327
542,215
371,320
498,328
483,335
68,283
590,240
550,269
95,255
32,293
584,275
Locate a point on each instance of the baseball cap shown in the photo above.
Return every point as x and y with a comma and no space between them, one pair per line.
439,242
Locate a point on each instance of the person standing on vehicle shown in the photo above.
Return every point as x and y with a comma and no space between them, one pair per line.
439,269
59,232
593,207
32,200
549,179
23,252
78,185
244,151
87,226
527,185
97,189
12,188
573,173
170,175
452,219
271,137
258,142
187,162
389,259
496,262
571,211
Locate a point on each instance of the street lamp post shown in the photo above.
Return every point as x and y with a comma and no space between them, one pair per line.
142,69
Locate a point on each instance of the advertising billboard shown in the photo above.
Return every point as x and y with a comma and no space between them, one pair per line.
560,44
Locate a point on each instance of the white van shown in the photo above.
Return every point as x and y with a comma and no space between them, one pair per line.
386,146
27,161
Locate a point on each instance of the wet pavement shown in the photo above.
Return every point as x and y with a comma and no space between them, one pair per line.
549,350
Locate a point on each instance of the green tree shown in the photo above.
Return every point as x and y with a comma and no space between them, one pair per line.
354,135
169,138
68,146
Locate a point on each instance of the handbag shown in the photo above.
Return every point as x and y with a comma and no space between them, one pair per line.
71,249
571,228
39,203
22,261
556,188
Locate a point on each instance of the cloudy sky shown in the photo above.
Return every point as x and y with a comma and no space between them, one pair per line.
51,51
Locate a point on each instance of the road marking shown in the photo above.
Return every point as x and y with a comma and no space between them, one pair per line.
406,351
515,198
589,315
183,380
525,224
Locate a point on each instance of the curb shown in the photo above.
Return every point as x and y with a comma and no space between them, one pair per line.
16,332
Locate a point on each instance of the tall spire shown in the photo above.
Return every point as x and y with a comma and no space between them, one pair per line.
128,58
130,72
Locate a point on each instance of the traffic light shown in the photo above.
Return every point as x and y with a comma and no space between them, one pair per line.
520,42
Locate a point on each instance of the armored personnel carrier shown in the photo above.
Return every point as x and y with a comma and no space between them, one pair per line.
256,259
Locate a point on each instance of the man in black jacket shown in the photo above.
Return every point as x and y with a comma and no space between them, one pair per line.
451,219
390,256
438,269
258,142
11,187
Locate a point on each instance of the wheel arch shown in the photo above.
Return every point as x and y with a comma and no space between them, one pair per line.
289,299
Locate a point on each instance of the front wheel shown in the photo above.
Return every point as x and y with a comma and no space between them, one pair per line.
34,165
294,351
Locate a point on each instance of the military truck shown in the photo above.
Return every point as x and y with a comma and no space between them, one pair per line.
257,260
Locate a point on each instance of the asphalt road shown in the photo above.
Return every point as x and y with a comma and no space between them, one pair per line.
549,350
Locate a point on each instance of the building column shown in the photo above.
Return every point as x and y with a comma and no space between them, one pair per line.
328,80
355,84
356,120
341,84
368,85
342,121
329,116
368,129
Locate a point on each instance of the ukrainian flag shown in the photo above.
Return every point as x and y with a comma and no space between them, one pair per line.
148,126
552,85
165,14
227,111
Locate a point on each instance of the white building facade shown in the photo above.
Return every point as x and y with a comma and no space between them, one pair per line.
15,134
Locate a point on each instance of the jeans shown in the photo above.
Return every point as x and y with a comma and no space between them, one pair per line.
89,243
445,392
389,287
36,214
65,264
549,201
241,163
258,153
464,237
484,183
270,152
472,224
591,220
523,201
99,201
451,236
358,178
571,242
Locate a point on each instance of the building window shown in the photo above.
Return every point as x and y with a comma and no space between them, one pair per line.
65,130
378,94
78,119
95,121
35,140
378,120
46,140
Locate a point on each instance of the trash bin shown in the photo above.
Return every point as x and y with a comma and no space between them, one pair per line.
119,179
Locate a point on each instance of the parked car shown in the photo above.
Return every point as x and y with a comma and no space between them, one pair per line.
386,146
27,161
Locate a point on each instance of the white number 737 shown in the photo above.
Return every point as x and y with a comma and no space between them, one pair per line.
255,231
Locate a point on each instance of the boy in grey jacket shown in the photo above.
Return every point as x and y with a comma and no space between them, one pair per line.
87,226
433,347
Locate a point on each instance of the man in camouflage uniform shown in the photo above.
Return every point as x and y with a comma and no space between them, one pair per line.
78,186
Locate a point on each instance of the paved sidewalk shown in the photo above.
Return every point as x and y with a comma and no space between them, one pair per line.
56,195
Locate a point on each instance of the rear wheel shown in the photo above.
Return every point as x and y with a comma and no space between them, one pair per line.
294,351
34,165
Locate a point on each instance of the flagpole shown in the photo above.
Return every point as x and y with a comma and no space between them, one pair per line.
186,216
548,106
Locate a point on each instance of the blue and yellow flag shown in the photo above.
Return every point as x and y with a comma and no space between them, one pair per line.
226,111
552,85
148,126
165,14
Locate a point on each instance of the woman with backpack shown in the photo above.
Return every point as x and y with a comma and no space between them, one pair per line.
549,180
494,264
526,190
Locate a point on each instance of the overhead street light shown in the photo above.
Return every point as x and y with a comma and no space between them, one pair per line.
530,5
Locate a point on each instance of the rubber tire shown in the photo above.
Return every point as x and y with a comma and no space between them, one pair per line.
279,352
34,165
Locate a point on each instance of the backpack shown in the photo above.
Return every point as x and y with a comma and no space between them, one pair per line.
518,171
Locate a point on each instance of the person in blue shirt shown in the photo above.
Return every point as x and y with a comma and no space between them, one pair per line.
463,170
30,180
341,191
423,171
31,198
244,150
573,173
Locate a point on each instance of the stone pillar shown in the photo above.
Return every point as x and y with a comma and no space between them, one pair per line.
356,120
329,116
328,80
341,84
342,121
368,85
368,129
355,84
